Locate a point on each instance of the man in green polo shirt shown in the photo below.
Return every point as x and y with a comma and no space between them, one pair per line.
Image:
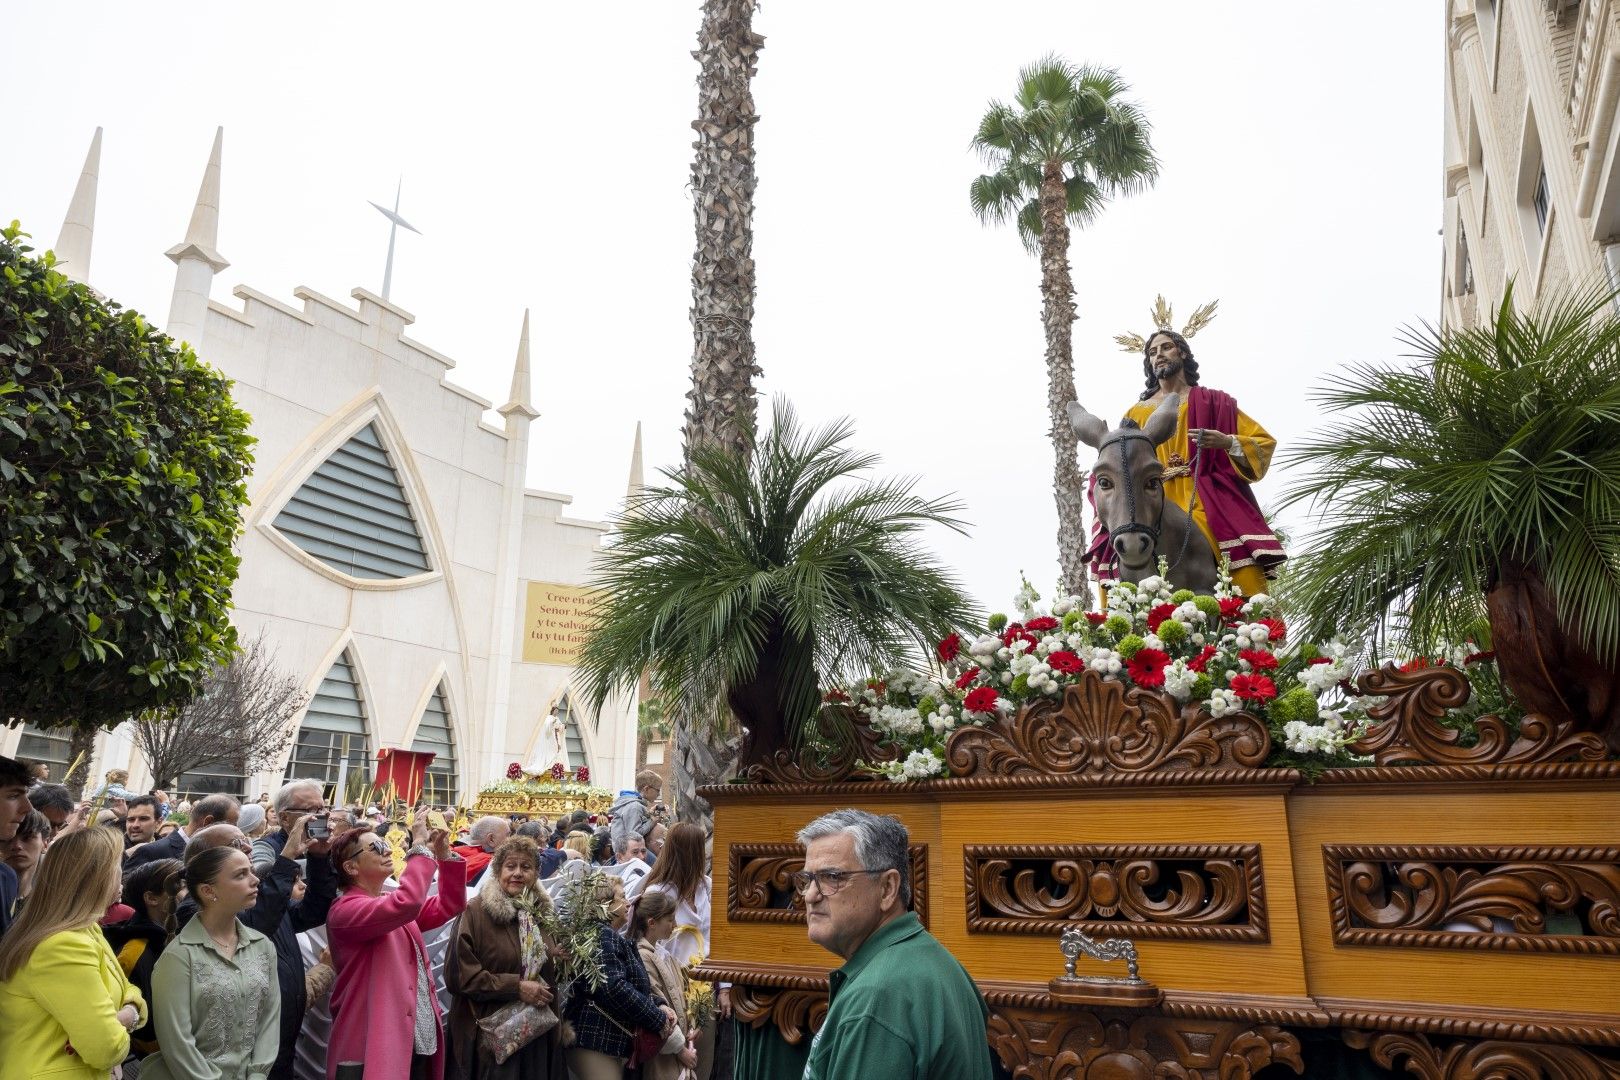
901,1007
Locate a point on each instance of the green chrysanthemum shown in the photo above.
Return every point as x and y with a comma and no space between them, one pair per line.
1073,621
1117,625
1210,606
1202,686
1297,703
1129,646
997,623
1172,632
927,707
1020,685
1181,596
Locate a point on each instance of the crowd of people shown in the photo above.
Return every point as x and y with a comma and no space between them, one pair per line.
144,937
171,943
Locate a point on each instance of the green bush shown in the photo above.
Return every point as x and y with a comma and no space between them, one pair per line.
123,464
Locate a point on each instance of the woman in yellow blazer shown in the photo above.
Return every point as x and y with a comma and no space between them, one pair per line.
66,1009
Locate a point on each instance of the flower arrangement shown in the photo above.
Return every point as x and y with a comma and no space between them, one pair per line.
699,996
514,771
1227,652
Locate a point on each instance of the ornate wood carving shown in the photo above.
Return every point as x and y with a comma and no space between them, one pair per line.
795,1012
1045,1044
845,740
760,883
1462,897
1487,1059
1406,727
1189,891
1099,726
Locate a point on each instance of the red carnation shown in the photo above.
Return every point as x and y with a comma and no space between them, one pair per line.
513,771
1319,660
982,700
1201,661
1096,618
1158,614
1258,659
966,677
1278,628
1041,623
1253,687
834,696
584,774
1066,662
1479,657
1147,667
1417,665
1232,607
558,770
1012,631
949,648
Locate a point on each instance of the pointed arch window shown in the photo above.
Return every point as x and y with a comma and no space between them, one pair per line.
332,741
572,743
434,735
352,514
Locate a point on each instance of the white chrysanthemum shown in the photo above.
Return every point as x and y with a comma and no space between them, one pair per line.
1223,703
1151,641
1189,614
985,646
1006,678
1179,679
1320,678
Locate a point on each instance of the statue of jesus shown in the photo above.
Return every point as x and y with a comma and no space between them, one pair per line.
1226,448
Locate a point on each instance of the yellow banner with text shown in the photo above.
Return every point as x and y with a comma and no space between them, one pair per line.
556,619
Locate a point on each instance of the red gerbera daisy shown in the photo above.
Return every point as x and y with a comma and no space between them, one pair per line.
1041,623
949,648
1158,614
982,700
1147,667
966,677
1232,607
1253,687
1066,662
1258,659
1201,661
1278,628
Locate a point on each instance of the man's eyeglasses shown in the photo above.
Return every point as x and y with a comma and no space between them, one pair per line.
242,843
828,881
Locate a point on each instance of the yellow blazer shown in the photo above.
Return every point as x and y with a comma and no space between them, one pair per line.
69,992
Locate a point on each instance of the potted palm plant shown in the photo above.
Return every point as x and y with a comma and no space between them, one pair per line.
1482,480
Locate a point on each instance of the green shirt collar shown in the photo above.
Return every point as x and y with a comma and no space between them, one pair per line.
890,933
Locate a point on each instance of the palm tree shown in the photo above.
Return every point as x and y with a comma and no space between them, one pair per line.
720,409
1065,146
1484,479
750,578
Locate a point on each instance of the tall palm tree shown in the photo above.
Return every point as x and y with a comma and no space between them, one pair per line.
750,578
1066,144
1485,479
720,403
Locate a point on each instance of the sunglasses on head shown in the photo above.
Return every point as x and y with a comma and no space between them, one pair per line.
376,844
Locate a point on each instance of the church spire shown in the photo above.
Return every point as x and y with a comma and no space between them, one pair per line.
635,486
197,258
518,400
79,227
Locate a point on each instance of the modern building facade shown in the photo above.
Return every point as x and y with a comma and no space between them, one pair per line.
1532,184
393,557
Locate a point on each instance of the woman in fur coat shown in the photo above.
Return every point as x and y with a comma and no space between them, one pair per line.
500,956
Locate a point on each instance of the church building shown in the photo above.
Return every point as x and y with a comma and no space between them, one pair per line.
393,556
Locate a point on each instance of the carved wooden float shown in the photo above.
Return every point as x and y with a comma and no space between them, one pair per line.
1451,911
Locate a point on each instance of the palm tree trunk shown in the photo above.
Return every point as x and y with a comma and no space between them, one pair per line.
1058,315
81,749
720,407
720,403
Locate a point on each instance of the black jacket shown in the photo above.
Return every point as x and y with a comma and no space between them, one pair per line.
138,942
172,846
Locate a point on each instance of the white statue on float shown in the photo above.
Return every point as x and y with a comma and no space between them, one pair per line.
548,745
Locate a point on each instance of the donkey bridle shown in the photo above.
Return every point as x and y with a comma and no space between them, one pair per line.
1121,436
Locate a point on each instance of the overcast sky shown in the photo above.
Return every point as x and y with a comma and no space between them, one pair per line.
545,150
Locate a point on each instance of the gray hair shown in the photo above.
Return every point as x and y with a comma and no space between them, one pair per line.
484,828
285,794
881,843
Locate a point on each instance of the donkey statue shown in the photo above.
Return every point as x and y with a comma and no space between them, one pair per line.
1141,523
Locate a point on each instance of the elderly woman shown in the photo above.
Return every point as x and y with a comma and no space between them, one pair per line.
605,1019
384,1011
500,956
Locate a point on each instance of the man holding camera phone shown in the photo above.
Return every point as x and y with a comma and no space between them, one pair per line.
303,832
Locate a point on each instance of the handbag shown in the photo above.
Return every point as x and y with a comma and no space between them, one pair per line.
644,1046
512,1027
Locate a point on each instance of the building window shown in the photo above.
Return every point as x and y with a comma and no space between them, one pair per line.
211,780
433,735
1541,202
352,514
1465,264
49,745
332,745
572,743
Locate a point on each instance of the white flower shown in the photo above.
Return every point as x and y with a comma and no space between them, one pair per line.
1179,679
1064,605
1223,703
1006,678
1320,678
1023,664
985,646
1151,584
897,721
1152,641
1199,639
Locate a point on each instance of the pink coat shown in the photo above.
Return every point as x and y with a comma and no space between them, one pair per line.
375,941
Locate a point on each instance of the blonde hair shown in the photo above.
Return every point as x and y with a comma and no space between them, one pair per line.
72,886
580,842
117,776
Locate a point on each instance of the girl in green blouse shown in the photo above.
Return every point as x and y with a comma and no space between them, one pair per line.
216,1003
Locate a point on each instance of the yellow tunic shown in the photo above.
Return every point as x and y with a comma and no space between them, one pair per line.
1251,465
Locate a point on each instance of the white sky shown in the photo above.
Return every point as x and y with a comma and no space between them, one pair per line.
545,150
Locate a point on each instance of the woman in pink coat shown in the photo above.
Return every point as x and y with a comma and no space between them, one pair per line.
384,1010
